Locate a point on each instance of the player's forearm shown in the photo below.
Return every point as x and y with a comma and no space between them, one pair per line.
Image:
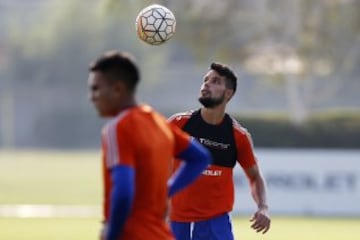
195,159
122,196
119,212
258,191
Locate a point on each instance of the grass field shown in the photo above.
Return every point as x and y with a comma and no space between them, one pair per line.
73,178
88,228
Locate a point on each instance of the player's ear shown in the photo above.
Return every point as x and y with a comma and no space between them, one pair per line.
120,87
228,94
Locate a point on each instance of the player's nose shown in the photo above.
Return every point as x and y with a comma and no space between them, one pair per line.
207,84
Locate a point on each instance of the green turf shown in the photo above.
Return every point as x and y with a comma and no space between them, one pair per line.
282,229
302,228
49,229
50,177
74,178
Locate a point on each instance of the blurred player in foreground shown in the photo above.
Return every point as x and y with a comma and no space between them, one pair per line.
201,211
139,146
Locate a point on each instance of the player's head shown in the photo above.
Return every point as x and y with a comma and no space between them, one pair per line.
218,87
112,82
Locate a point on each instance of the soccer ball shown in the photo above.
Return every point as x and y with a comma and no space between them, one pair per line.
155,24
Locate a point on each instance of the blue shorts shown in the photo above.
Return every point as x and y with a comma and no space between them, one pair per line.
217,228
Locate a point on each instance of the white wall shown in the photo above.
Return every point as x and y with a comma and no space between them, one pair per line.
305,182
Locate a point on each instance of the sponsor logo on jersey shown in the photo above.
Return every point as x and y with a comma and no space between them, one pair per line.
214,173
213,144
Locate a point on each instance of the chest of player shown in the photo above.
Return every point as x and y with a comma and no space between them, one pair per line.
219,139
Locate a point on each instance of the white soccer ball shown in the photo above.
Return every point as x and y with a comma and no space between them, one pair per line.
155,24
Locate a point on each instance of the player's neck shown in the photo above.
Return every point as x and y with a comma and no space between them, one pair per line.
128,103
213,115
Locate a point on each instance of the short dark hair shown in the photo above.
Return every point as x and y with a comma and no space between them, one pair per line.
118,66
225,71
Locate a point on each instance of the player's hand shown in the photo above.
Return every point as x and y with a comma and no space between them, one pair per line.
103,232
167,211
261,220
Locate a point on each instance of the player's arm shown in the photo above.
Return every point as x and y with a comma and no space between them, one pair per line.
261,218
120,162
122,195
250,165
257,186
195,158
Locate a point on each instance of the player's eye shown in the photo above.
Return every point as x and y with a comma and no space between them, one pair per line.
217,81
94,88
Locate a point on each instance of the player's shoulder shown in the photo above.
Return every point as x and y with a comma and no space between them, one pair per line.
181,116
118,121
238,128
136,116
118,118
130,116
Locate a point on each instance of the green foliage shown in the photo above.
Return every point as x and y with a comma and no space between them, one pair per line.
55,43
330,130
325,130
53,28
58,45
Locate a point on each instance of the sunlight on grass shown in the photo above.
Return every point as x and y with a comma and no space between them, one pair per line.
74,178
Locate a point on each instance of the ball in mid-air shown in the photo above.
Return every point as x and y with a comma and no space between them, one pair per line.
155,24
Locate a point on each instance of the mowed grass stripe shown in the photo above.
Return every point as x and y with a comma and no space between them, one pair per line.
49,211
283,228
73,179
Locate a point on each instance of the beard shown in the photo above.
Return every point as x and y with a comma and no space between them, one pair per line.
209,102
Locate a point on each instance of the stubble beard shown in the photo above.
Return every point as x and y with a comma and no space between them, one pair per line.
209,102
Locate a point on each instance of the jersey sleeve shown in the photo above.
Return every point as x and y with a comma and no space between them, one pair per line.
179,119
244,146
119,147
181,139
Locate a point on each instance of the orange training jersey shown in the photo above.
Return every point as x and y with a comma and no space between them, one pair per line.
212,194
141,138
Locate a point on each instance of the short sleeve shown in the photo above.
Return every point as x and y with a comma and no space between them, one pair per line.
181,139
244,146
119,147
179,119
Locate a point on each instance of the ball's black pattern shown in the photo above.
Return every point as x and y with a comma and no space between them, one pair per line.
156,24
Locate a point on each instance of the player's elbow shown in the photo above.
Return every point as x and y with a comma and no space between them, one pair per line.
196,153
207,157
204,154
